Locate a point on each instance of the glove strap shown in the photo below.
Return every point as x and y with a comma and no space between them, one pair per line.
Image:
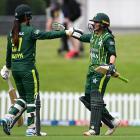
77,33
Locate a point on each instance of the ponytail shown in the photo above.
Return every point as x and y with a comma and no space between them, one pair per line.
15,33
110,31
16,29
27,22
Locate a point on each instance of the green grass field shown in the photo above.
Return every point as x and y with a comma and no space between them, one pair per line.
59,74
73,133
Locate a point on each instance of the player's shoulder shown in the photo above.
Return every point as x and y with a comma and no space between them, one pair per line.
34,30
109,39
108,35
29,28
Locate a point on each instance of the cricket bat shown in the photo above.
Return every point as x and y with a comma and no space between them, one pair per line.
13,97
104,69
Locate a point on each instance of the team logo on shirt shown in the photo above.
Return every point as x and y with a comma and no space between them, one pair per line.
21,33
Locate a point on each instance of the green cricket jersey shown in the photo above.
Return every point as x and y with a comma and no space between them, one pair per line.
101,47
23,57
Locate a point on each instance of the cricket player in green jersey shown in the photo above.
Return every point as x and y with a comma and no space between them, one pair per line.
102,52
20,59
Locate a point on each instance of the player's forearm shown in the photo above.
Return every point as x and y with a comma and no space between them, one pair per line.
8,58
85,38
112,59
8,63
51,35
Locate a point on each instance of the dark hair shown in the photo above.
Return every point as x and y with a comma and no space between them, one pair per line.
110,31
16,30
15,33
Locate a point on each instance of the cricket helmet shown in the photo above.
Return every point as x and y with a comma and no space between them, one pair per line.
101,18
23,10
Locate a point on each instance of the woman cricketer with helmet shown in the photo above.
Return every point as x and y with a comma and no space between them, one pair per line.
102,52
20,59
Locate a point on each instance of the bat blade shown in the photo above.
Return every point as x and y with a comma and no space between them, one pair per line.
104,69
20,121
13,97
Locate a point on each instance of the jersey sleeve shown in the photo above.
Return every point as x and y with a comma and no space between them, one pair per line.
41,35
85,38
110,46
9,52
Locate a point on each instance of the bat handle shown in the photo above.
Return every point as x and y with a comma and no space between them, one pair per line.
123,79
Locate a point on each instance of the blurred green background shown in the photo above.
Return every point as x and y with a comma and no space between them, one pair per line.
59,74
38,7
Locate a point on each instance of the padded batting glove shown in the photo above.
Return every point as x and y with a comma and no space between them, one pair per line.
69,31
76,33
111,70
5,72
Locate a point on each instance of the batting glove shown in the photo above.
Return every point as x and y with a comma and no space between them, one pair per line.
111,70
70,31
5,72
76,33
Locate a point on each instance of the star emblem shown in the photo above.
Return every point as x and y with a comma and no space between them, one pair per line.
95,80
100,43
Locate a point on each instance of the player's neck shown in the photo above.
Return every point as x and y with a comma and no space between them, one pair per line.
99,32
